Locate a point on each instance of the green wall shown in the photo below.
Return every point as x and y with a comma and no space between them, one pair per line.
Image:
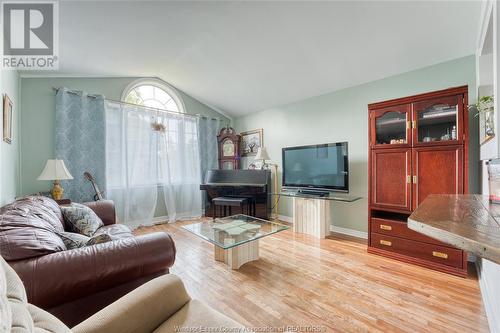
342,116
9,153
38,117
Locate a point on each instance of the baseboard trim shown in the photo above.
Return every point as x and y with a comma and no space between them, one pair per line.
285,218
333,228
488,302
160,219
349,232
147,223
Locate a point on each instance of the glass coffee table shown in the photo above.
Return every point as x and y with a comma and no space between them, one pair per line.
235,238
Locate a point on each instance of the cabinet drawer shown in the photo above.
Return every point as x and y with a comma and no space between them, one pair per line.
435,253
399,229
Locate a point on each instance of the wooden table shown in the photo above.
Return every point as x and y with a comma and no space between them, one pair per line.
466,221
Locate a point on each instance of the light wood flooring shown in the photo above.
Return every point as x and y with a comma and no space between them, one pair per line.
331,284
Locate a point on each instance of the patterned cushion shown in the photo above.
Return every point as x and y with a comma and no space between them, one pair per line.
116,231
81,219
73,240
102,238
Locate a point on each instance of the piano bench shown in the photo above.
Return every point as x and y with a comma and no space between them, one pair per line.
227,202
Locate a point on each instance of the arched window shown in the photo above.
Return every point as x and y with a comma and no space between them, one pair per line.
153,93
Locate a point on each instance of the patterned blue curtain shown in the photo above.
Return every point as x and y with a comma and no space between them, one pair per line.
81,141
208,128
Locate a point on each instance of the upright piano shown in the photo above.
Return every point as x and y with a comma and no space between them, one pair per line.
254,184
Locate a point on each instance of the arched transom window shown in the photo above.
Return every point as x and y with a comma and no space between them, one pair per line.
155,94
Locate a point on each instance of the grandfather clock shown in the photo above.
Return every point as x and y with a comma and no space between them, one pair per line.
229,149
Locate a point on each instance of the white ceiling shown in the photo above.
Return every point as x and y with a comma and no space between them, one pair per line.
243,57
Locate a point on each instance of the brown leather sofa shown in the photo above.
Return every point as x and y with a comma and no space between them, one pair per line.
74,284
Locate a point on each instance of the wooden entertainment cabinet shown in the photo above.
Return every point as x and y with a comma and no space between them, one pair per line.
418,146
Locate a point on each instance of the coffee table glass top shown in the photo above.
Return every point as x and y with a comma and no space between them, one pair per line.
234,230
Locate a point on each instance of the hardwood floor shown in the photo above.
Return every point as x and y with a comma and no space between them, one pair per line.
331,284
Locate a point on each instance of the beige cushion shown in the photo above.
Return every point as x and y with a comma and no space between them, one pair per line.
140,311
16,315
44,322
5,310
196,314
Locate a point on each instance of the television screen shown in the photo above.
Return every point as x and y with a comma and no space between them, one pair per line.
318,166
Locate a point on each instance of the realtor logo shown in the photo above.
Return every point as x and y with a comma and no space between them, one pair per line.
30,31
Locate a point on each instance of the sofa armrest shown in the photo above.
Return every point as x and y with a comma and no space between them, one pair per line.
64,276
105,209
140,311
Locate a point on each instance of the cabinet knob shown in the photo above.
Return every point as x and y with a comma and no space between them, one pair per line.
385,227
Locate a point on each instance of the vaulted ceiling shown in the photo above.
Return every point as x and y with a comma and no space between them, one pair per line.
243,57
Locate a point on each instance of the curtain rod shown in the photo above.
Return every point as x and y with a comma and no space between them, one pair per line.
78,92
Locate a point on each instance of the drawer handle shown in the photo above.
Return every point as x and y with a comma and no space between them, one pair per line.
440,254
385,227
384,242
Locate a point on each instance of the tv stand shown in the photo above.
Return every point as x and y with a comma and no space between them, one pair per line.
311,213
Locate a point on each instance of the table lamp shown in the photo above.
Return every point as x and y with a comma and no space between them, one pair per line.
55,170
262,156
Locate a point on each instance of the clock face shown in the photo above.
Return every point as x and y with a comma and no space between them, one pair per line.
228,148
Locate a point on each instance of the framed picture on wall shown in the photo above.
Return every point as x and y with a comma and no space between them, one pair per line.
7,119
251,141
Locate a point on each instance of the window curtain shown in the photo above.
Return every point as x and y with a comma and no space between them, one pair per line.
208,129
80,141
149,151
132,168
207,136
179,173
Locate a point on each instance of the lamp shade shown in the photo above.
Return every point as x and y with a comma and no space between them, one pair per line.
55,170
262,154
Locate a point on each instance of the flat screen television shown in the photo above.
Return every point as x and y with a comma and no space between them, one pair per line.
317,167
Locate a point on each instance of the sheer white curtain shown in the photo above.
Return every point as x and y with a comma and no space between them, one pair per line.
148,151
131,168
179,167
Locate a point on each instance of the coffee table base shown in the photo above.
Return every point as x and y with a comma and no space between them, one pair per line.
237,256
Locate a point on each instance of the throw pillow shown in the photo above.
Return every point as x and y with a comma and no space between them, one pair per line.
73,240
102,238
81,219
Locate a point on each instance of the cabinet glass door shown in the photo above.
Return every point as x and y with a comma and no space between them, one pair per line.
390,126
437,120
